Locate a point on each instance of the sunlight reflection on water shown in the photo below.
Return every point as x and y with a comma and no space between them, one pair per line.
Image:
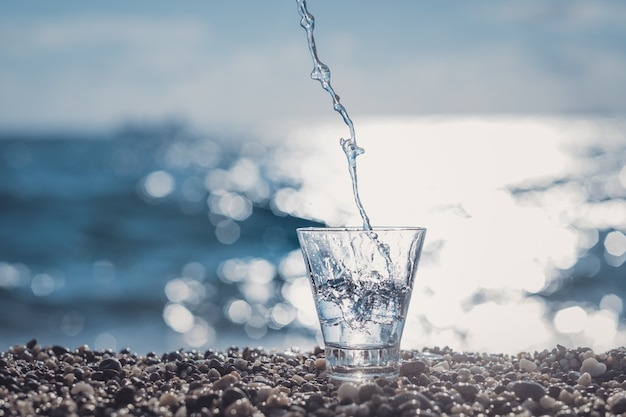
526,243
511,205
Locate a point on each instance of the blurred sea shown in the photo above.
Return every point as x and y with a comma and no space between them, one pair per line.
100,244
157,238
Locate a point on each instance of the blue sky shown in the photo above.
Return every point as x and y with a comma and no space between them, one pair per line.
96,64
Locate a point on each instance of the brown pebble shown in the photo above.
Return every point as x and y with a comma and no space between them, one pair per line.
168,399
279,400
224,382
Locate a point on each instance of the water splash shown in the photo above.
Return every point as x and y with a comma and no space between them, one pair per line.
321,73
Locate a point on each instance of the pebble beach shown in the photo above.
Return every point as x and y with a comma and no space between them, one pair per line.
57,381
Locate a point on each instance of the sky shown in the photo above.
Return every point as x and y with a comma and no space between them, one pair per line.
74,64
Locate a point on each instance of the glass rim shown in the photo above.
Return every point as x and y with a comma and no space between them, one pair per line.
361,229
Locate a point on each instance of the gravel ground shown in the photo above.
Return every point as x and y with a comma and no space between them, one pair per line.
57,381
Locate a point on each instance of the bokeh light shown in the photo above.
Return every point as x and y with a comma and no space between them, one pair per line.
525,248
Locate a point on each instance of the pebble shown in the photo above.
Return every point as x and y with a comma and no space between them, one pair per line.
232,394
224,382
348,391
368,390
593,367
82,388
168,399
585,379
240,408
527,389
411,368
442,366
253,383
527,365
110,363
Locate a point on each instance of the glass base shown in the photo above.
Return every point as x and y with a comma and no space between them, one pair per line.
355,364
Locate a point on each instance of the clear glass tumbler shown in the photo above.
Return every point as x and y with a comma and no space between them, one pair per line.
362,282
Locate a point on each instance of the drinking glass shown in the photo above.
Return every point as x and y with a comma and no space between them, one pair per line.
362,280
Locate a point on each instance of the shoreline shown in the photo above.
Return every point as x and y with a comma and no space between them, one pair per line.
57,381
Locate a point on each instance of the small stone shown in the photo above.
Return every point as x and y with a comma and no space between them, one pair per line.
205,400
31,344
464,374
82,388
592,366
308,387
241,364
348,390
442,366
619,406
232,394
278,400
313,402
585,379
527,389
125,395
467,391
320,364
419,400
240,408
214,374
224,382
547,402
298,379
69,379
59,350
110,363
566,397
367,390
527,365
168,399
413,368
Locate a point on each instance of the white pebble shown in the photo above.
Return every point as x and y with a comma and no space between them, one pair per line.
592,366
443,365
588,354
348,390
527,365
